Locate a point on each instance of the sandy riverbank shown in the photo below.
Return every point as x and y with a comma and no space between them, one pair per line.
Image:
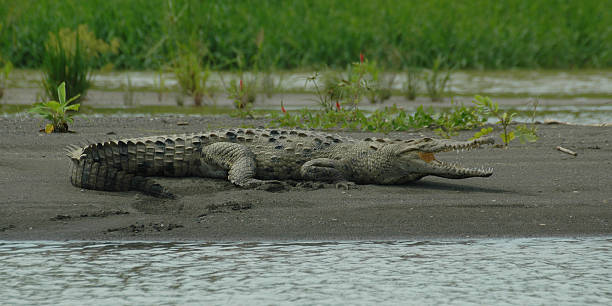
535,191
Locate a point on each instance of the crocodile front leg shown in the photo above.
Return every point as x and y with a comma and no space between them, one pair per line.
326,170
239,162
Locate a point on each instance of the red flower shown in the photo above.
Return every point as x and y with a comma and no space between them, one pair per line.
283,108
337,105
241,85
361,58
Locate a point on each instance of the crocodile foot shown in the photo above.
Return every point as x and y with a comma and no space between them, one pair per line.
272,186
346,185
310,185
266,185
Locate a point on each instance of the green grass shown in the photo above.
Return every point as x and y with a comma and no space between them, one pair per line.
399,34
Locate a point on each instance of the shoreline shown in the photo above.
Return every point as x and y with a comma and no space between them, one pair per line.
292,100
536,191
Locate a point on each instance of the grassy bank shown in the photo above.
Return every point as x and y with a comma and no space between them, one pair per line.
291,34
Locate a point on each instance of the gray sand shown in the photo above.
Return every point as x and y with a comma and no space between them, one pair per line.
535,191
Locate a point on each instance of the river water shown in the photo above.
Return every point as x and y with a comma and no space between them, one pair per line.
553,271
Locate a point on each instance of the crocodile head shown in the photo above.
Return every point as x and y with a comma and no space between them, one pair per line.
415,159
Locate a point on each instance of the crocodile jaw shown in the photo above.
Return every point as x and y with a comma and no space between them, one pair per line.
453,170
417,159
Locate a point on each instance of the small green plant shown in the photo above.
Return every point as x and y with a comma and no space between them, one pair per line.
490,108
160,85
458,117
446,124
349,91
192,78
180,100
422,118
239,92
361,75
325,100
267,84
333,91
70,57
60,112
271,84
381,90
128,92
436,80
529,134
4,75
411,86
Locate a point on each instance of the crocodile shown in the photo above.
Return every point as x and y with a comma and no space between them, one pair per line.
263,158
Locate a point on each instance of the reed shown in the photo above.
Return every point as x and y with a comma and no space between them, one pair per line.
479,34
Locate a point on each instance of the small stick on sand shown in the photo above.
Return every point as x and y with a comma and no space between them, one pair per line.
568,151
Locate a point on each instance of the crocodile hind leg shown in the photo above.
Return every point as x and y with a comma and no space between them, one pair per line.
239,162
326,170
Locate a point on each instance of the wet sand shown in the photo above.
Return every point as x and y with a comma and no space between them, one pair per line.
535,191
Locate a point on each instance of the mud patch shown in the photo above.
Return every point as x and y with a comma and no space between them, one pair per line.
141,228
98,214
157,206
230,206
495,206
6,228
60,218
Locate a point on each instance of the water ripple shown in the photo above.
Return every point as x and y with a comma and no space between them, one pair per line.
514,271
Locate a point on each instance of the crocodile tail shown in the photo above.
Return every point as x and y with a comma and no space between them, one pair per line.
91,170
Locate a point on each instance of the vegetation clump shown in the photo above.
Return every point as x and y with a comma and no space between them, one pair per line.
524,133
477,34
60,112
411,86
243,96
70,57
339,108
192,78
436,80
5,71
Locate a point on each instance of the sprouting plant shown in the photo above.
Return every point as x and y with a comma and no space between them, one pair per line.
325,100
459,117
349,91
70,57
525,133
381,89
411,86
160,85
4,75
333,89
436,80
446,124
488,107
192,78
128,92
268,85
60,112
361,76
180,101
239,92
